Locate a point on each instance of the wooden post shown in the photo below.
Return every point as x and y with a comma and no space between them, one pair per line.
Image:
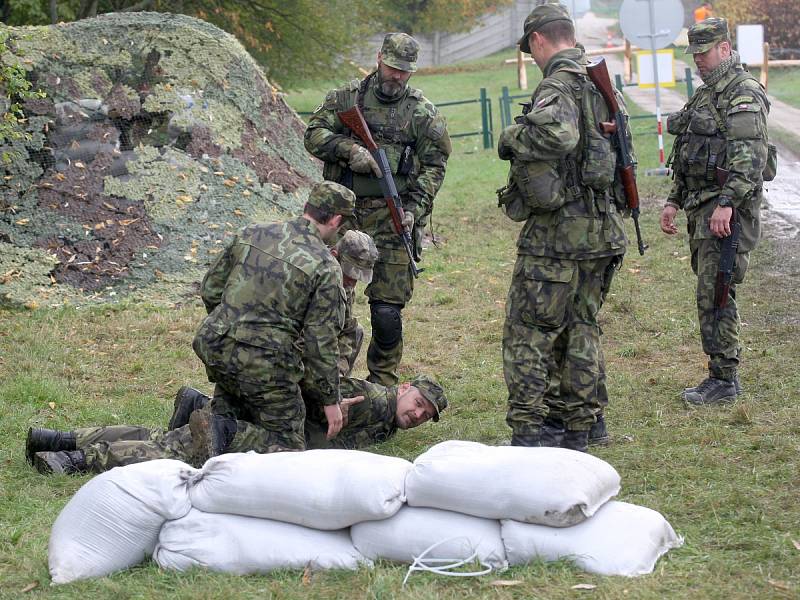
627,67
765,66
522,74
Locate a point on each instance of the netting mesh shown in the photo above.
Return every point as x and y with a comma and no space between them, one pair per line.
158,138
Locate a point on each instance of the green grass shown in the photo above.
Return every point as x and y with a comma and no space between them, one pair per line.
727,479
783,83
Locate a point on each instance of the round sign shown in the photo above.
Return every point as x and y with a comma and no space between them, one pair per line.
651,24
577,8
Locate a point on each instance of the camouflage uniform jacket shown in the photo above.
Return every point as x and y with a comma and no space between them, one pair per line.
725,126
409,126
586,224
273,286
369,422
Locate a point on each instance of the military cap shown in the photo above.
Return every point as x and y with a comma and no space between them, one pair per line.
706,34
540,16
432,392
400,51
357,255
333,198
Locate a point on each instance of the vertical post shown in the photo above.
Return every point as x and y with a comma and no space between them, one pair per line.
504,108
689,83
437,47
627,63
522,74
491,125
618,81
765,66
485,120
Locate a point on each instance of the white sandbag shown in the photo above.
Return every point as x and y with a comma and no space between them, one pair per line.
243,545
621,539
323,489
112,522
411,531
549,486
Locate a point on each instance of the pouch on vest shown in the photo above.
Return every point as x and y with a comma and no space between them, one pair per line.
599,160
771,168
540,185
513,202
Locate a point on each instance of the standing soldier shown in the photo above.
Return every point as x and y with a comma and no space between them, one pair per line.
562,184
720,158
414,135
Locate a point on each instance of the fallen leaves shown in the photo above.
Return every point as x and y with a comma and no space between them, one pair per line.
583,586
506,582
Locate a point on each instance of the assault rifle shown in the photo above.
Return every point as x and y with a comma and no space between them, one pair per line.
353,119
727,256
598,73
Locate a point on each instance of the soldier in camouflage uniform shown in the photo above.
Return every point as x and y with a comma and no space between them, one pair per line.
567,252
723,128
372,415
414,135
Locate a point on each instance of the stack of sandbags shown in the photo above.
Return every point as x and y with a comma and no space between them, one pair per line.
510,505
113,521
257,512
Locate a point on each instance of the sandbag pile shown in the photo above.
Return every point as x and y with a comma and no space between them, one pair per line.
253,513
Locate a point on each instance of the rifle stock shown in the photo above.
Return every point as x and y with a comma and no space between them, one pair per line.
598,74
354,120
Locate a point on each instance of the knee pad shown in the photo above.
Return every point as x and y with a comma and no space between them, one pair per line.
387,324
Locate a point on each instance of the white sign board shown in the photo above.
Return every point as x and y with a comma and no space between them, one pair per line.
577,8
666,71
750,43
649,23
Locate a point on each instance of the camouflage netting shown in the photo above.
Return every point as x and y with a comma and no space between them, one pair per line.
158,138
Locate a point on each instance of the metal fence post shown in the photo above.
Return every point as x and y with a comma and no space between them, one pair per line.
618,81
491,125
689,83
505,111
487,143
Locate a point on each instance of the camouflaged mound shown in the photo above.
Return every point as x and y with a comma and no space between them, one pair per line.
158,138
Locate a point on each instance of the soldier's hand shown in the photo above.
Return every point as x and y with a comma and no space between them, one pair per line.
361,161
408,221
345,407
668,220
334,416
720,222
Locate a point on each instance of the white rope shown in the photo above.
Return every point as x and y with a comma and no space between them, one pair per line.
444,566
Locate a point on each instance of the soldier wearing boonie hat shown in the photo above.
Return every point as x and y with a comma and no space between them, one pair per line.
720,159
332,198
357,254
414,135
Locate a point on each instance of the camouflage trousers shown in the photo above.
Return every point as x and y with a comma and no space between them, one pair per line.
350,341
120,445
720,337
551,328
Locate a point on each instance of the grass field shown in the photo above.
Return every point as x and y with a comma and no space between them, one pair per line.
727,479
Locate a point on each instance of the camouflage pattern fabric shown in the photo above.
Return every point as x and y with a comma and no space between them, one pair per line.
725,126
273,286
708,33
566,260
120,445
410,125
553,305
400,51
351,338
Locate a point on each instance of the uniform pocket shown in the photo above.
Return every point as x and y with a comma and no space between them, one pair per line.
541,292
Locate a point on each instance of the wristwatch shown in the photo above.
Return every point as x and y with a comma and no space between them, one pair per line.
725,201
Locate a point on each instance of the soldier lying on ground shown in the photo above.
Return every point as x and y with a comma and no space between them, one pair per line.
372,413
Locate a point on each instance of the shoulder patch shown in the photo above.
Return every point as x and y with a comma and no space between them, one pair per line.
437,128
330,100
742,100
546,101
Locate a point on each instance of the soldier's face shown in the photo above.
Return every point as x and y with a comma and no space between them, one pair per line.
392,81
348,282
710,59
412,407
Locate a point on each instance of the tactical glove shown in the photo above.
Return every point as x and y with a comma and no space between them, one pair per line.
408,221
361,161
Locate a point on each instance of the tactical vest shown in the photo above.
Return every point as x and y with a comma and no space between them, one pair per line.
588,223
391,128
701,130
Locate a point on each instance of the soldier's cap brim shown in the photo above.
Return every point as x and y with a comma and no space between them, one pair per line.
400,65
355,271
700,48
426,395
523,41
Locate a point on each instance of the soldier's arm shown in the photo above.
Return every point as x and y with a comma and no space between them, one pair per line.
324,136
746,121
213,285
324,322
550,131
433,150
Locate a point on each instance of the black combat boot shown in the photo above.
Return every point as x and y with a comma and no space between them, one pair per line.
598,434
44,440
711,391
66,462
552,433
211,435
576,440
187,400
529,440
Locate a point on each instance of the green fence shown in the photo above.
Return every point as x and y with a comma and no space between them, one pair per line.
486,132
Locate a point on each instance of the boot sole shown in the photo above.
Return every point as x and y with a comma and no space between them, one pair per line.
176,406
717,402
30,452
601,441
44,467
202,437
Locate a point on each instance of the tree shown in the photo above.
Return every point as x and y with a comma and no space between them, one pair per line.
427,16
